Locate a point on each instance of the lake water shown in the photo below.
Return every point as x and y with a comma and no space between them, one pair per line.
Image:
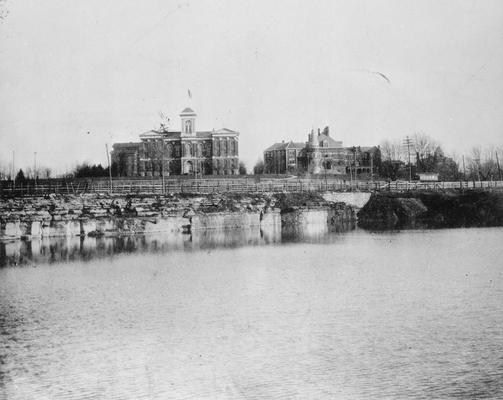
248,315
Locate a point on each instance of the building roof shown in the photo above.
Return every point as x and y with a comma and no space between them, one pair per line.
295,145
188,111
154,133
286,145
204,134
125,145
370,149
224,131
331,141
157,134
363,149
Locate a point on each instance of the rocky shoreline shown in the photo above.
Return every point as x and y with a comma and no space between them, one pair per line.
103,215
432,209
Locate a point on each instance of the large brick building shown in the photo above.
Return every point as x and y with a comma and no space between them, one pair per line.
187,151
321,154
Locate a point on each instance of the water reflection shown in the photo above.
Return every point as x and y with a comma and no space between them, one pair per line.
65,249
314,233
365,316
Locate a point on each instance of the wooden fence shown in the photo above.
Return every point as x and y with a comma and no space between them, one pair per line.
238,185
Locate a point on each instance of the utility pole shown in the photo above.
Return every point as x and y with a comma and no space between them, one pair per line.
477,163
35,165
109,169
350,171
163,144
13,169
498,162
325,169
408,141
35,168
372,167
464,169
355,162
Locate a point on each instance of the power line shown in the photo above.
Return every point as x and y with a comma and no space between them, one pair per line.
408,142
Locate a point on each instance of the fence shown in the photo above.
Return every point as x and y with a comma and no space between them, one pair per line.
238,185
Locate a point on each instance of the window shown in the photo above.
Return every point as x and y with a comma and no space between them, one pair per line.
188,126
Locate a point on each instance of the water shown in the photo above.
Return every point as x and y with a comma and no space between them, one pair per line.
244,315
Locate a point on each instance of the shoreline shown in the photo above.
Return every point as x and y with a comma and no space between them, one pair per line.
103,215
432,210
96,215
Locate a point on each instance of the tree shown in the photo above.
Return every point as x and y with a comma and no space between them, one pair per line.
29,173
165,122
242,168
392,157
20,176
45,172
448,169
258,169
90,171
5,172
425,148
391,150
483,163
390,169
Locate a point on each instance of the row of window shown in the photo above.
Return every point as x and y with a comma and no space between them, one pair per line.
224,163
223,148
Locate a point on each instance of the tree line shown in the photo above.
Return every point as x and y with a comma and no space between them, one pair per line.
82,170
426,155
398,160
401,159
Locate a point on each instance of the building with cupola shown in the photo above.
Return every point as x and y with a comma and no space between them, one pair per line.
186,151
320,154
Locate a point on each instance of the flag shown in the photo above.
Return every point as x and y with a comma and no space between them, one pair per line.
190,94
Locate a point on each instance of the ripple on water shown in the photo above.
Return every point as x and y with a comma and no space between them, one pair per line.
355,316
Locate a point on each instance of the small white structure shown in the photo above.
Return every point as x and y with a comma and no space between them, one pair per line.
428,176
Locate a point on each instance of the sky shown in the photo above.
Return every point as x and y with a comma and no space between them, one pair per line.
76,75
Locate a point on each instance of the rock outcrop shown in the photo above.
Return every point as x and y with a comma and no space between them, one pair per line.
432,209
98,215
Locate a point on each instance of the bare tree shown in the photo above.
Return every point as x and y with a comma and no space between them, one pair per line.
44,172
258,169
424,146
483,163
5,170
489,166
498,152
157,151
392,150
164,125
28,173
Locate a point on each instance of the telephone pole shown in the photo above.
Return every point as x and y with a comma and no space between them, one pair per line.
498,162
109,169
372,167
13,175
464,169
408,141
35,165
477,164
